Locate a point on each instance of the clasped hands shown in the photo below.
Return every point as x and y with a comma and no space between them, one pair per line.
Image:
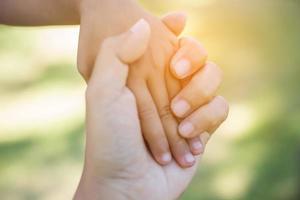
149,99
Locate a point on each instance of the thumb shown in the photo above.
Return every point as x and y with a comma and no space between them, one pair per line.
175,21
111,66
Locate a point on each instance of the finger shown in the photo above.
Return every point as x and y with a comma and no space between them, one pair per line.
116,52
200,90
205,137
178,145
175,21
152,128
196,145
173,87
205,118
190,57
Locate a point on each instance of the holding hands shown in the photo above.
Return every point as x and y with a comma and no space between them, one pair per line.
118,164
151,97
165,95
171,81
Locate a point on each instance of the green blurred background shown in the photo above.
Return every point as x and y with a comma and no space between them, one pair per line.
255,155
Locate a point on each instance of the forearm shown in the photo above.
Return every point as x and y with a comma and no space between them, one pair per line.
39,12
91,188
110,17
64,12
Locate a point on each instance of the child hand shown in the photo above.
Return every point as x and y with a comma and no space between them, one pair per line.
117,163
148,79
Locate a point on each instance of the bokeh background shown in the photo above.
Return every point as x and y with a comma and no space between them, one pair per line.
255,155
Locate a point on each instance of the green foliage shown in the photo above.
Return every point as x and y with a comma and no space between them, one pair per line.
257,45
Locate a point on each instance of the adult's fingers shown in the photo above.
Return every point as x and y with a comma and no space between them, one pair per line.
200,90
190,57
205,119
196,145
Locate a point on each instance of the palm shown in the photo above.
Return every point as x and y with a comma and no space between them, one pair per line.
165,182
127,150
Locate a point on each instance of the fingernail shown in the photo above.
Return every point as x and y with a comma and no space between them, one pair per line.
197,145
182,67
186,129
204,137
139,26
189,158
180,108
166,157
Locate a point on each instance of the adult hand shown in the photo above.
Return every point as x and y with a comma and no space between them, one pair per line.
118,164
148,78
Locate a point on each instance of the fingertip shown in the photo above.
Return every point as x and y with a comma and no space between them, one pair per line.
189,160
196,146
181,68
186,129
180,107
165,158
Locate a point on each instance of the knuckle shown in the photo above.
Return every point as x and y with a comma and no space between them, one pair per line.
165,112
146,113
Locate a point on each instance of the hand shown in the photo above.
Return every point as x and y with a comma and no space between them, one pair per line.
117,162
148,79
195,101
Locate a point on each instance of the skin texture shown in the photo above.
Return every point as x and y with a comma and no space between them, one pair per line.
151,79
118,164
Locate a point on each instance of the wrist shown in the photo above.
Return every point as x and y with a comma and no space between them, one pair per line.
93,187
112,16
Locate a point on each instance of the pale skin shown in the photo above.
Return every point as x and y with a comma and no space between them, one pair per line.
116,161
157,88
118,165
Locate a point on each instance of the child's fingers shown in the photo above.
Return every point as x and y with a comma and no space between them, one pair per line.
200,90
205,119
178,145
152,128
190,57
